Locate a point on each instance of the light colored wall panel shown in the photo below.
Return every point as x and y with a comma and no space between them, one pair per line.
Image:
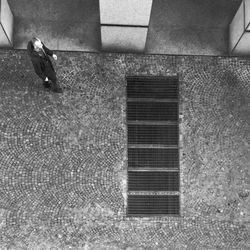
123,38
247,14
128,12
4,42
7,20
243,46
236,28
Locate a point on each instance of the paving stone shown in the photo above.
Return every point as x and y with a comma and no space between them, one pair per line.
63,156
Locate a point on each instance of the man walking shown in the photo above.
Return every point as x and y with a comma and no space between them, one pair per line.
39,55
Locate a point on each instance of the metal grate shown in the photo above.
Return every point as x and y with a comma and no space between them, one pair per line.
153,181
143,205
153,136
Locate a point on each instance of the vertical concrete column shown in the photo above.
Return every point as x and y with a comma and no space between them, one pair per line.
124,24
6,24
239,30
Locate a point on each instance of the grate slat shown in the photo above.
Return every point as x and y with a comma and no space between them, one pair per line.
153,205
150,134
153,181
154,89
153,158
152,111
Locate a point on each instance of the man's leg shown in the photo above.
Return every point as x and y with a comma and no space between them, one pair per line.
55,86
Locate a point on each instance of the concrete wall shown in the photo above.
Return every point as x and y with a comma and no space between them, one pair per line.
63,25
63,156
189,27
6,25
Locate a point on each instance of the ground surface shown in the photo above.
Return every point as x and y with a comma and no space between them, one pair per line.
63,156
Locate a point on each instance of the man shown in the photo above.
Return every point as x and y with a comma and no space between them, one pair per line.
39,55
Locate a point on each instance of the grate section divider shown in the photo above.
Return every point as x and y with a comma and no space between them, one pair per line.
152,100
153,193
160,123
160,146
144,169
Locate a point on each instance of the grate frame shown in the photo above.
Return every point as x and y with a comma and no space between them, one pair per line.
162,99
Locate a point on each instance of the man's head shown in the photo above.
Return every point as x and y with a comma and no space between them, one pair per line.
37,43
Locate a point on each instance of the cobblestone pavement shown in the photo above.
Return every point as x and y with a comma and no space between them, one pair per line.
63,156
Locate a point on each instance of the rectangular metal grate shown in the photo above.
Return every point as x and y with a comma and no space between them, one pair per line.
153,158
153,134
153,139
143,205
153,181
153,89
153,111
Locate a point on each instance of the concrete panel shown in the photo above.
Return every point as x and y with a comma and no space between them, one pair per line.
247,14
74,36
55,10
123,38
4,42
186,41
128,12
62,24
196,27
239,42
243,46
202,25
236,28
6,20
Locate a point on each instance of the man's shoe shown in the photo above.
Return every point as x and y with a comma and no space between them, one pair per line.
46,85
57,90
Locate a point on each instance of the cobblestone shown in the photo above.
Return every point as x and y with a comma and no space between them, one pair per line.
63,156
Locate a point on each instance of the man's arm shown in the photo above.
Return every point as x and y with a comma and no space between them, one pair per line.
47,51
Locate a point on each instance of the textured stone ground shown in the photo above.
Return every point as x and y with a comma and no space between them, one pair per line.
63,156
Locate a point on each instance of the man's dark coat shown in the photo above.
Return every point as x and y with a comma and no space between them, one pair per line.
42,65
